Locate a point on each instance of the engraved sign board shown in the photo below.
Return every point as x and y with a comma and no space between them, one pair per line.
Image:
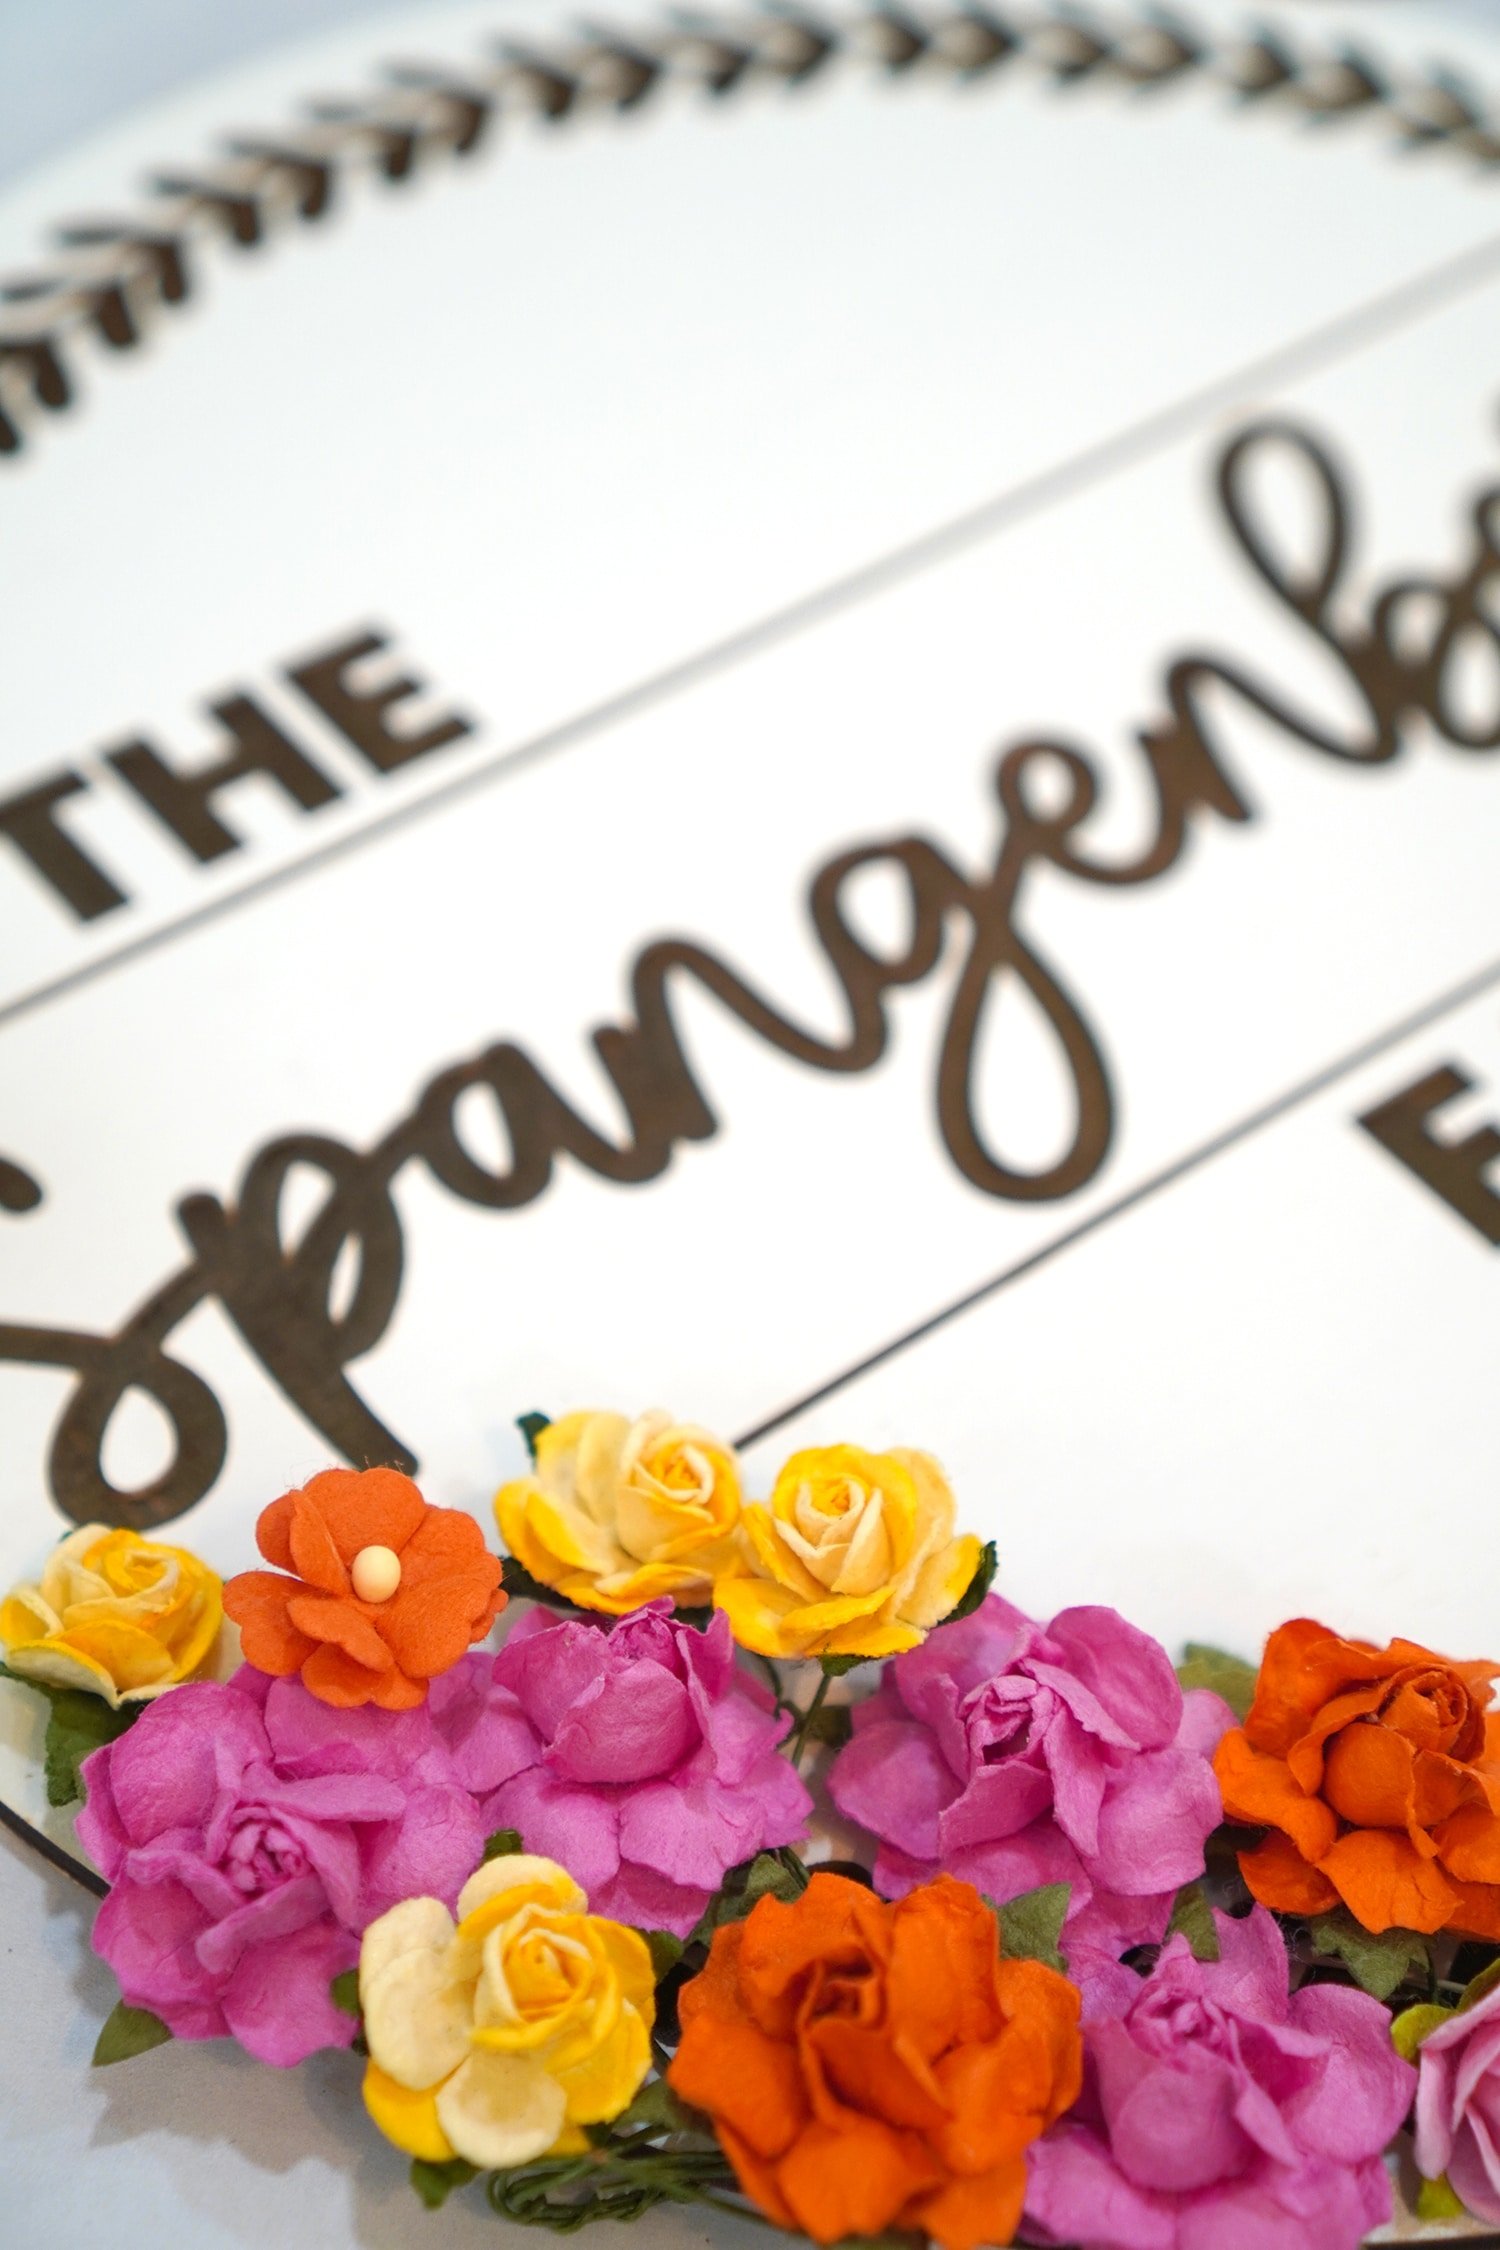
829,753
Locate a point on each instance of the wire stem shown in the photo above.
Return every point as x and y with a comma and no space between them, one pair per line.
799,1739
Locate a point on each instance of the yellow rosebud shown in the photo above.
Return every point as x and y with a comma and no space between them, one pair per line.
854,1556
122,1616
497,2037
618,1513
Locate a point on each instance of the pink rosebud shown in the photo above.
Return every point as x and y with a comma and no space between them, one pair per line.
1013,1754
249,1833
1458,2106
1218,2109
641,1757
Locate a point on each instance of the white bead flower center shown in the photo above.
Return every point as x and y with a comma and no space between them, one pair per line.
376,1573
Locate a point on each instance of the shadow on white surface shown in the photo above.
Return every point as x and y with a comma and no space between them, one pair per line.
197,2145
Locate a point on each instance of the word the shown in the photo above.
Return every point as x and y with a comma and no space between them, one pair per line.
185,800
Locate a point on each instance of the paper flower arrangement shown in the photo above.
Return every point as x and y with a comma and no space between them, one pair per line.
1133,1958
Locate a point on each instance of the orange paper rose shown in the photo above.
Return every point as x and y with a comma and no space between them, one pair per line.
386,1591
870,2066
1377,1773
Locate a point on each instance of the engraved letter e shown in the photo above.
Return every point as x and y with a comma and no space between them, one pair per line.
1455,1170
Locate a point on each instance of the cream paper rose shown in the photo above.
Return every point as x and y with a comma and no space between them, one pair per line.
855,1555
497,2038
619,1513
121,1616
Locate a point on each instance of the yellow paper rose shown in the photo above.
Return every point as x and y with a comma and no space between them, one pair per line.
619,1513
122,1616
854,1556
497,2038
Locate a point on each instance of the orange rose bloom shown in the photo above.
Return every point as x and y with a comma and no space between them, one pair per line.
869,2066
1377,1774
386,1593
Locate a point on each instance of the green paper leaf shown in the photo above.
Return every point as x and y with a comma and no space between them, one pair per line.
834,1667
128,2031
78,1725
1378,1962
521,1586
1031,1925
531,1427
656,2109
832,1724
1228,1676
504,1844
666,1951
978,1586
1412,2026
1192,1918
434,2183
344,1992
779,1874
1436,2200
1479,1988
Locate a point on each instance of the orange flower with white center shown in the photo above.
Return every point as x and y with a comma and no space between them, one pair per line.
375,1592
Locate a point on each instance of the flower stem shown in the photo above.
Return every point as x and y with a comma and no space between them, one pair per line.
799,1739
774,1678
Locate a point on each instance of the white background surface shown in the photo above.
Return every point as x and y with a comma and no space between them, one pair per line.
201,2146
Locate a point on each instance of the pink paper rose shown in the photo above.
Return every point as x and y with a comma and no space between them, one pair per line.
1458,2106
1013,1754
1221,2113
249,1833
641,1757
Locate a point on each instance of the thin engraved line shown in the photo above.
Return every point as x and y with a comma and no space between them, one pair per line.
1471,987
1378,318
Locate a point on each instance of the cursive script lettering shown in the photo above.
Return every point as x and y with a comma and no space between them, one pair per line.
307,1328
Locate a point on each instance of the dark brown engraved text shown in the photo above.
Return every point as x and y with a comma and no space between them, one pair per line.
1398,659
